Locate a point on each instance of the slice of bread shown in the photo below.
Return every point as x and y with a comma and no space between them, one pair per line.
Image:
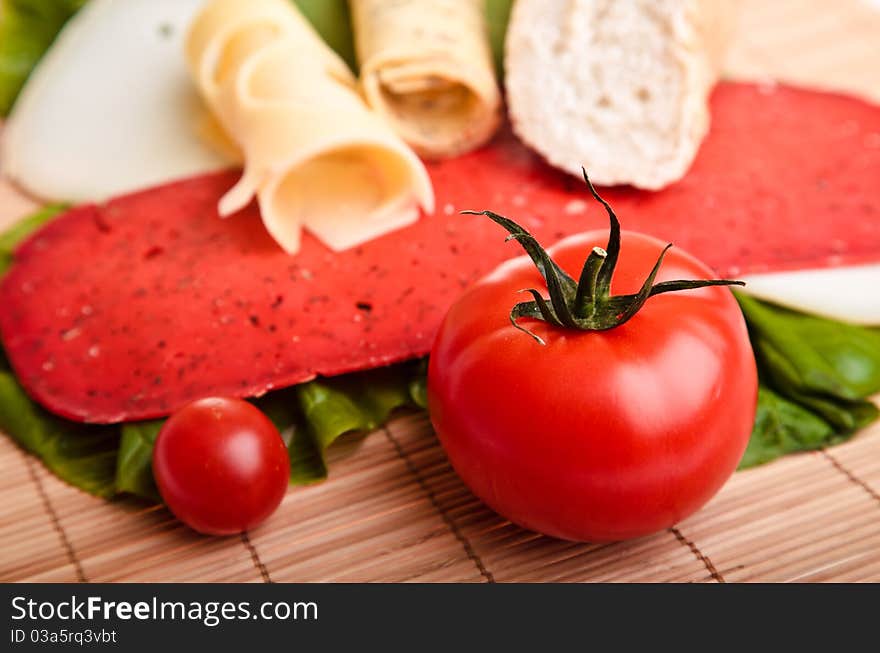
617,86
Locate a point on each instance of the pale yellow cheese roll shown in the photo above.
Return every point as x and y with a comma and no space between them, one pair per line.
314,154
426,65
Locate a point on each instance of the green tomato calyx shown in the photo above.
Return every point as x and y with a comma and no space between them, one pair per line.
587,305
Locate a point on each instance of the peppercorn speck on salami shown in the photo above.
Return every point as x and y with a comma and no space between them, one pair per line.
130,309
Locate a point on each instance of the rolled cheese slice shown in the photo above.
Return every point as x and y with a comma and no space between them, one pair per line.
426,66
315,155
620,88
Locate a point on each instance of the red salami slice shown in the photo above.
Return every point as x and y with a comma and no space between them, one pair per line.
127,310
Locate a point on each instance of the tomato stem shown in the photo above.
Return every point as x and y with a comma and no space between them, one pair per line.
587,304
588,294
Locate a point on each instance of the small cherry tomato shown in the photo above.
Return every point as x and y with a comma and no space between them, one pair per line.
588,415
221,466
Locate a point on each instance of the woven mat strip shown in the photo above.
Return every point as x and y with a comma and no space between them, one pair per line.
30,547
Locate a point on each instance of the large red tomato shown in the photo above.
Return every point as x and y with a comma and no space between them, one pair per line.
595,435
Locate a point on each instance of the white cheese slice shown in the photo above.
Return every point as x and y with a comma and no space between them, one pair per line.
110,108
315,155
850,294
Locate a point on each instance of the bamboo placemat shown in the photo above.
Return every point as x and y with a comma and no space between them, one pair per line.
393,510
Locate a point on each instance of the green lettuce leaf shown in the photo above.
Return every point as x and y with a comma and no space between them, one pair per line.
9,240
816,379
497,17
27,29
418,385
134,461
783,427
815,354
330,408
331,19
82,455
